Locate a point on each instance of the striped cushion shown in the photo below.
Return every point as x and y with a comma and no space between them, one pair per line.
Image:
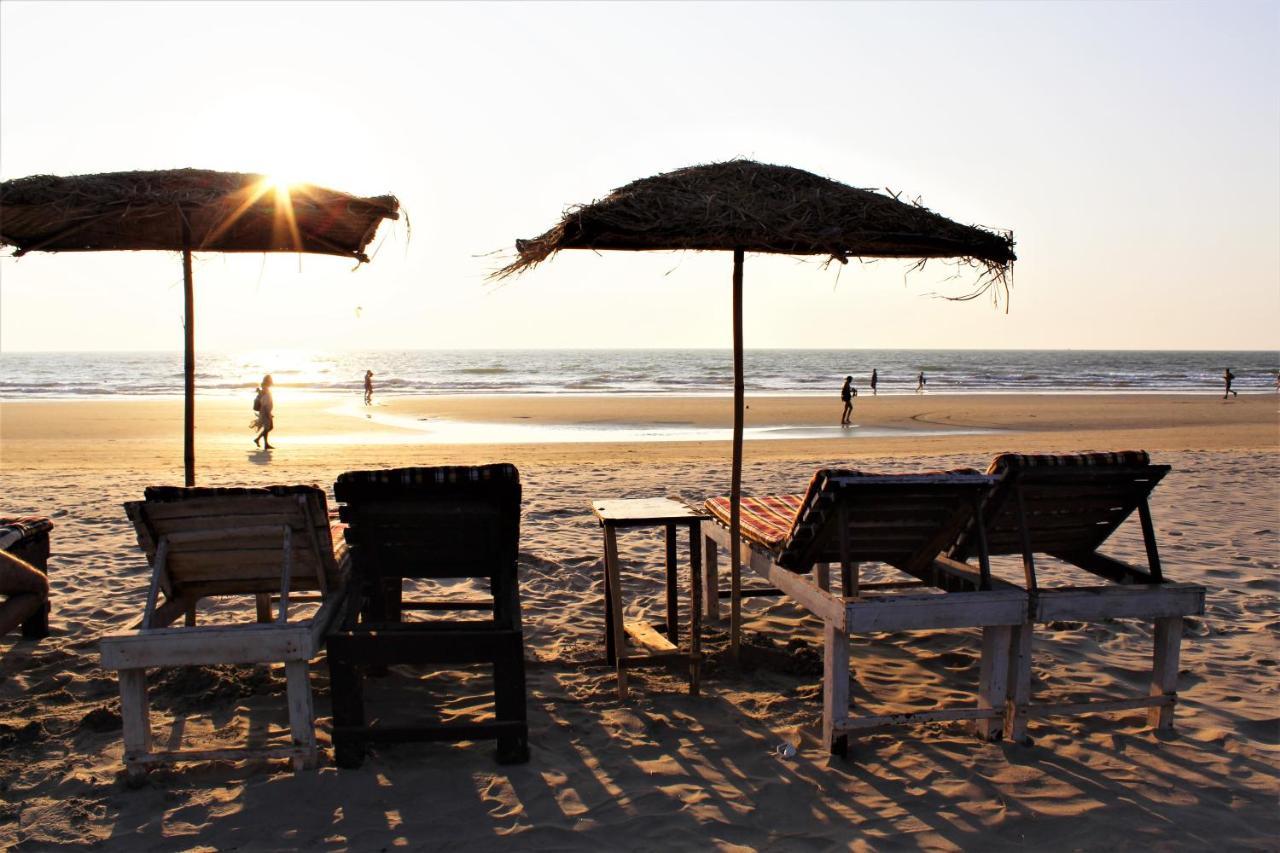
14,529
786,524
1013,461
765,521
180,493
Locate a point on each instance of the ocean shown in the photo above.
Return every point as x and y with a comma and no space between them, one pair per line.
67,375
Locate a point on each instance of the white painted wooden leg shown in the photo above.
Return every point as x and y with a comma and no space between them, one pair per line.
822,576
711,582
1015,712
302,723
993,682
135,715
1164,672
835,687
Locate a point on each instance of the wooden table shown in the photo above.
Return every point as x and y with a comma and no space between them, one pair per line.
619,514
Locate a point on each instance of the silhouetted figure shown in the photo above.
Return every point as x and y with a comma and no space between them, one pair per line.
264,405
920,382
875,380
368,387
847,393
1227,378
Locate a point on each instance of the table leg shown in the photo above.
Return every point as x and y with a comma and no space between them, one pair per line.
610,653
673,588
695,608
615,605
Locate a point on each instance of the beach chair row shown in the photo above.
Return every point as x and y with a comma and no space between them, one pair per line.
939,529
280,545
931,527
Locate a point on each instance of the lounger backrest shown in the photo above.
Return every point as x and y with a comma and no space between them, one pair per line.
231,540
1070,503
442,522
904,520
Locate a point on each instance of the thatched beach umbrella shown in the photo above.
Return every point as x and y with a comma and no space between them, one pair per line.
742,206
186,210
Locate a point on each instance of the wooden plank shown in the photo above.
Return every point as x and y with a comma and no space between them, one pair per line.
1015,719
1070,709
963,572
451,732
1164,671
629,512
941,610
711,598
835,688
301,713
614,582
221,506
1106,567
208,645
993,679
135,716
673,589
822,576
880,721
232,754
1139,601
644,634
653,659
824,605
695,609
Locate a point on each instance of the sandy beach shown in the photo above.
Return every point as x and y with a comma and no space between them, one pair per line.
662,770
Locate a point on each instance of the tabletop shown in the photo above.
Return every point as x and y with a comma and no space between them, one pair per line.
615,512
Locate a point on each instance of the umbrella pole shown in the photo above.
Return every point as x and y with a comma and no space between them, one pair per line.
189,371
735,488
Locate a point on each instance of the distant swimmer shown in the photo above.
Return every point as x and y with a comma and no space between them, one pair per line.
1227,378
920,382
875,380
368,387
847,393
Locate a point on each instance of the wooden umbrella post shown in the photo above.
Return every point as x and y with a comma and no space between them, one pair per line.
735,488
189,368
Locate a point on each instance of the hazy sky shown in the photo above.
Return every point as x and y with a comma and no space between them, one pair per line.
1134,150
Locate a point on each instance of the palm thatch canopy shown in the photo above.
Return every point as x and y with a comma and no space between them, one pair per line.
758,207
179,209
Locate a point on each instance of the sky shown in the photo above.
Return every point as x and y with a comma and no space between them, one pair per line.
1132,148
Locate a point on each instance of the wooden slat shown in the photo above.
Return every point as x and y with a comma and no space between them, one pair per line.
880,721
822,604
1068,709
209,644
644,634
1090,604
241,754
872,613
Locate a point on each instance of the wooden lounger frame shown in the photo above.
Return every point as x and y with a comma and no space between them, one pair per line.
411,526
1068,513
963,598
215,545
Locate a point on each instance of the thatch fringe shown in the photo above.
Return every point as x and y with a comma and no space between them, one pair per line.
185,208
742,204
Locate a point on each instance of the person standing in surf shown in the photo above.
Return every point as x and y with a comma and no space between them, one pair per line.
368,387
875,380
264,405
847,393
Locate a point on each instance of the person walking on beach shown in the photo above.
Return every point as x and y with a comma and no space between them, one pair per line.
847,393
875,379
920,382
1227,378
368,387
263,404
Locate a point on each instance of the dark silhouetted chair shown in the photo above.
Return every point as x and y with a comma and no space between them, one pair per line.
434,524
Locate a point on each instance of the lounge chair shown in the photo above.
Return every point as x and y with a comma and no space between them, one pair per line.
200,542
25,584
904,521
429,523
1067,506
